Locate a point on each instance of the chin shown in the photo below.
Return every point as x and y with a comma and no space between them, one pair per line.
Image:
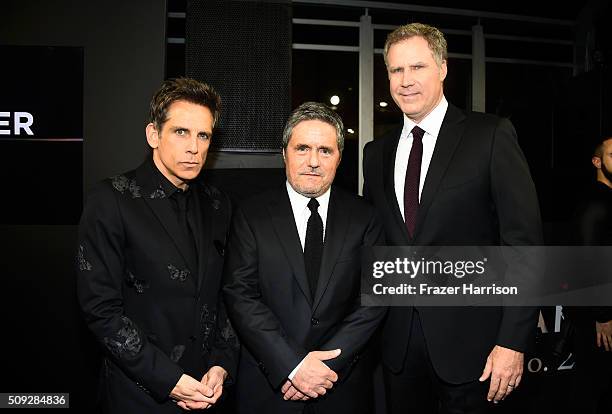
187,178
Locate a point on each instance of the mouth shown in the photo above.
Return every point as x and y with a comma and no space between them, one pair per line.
190,164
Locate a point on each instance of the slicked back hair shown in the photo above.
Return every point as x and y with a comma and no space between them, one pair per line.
183,89
309,111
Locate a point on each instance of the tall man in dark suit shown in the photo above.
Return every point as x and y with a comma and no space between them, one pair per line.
150,259
293,280
448,178
592,226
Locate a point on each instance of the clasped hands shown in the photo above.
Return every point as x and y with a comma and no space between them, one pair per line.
313,378
604,335
191,394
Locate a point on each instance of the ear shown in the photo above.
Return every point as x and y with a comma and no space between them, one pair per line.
152,136
284,157
443,71
596,162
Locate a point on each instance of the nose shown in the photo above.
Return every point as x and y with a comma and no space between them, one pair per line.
313,160
407,78
192,145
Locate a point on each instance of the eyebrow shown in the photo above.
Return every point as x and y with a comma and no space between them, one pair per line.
402,65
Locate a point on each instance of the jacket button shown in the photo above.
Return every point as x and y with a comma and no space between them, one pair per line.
314,321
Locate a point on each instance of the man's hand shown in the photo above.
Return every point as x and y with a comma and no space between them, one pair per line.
604,335
292,393
213,383
314,378
191,393
505,367
214,379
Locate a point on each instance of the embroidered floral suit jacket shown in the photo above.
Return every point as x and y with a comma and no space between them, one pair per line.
154,309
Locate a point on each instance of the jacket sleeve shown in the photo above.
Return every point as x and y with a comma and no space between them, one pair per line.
257,326
226,347
518,212
100,274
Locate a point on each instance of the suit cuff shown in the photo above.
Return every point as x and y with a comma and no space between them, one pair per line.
296,369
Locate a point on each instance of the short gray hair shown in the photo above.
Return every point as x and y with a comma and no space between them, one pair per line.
309,111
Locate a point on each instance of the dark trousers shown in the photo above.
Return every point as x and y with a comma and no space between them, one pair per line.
417,389
592,380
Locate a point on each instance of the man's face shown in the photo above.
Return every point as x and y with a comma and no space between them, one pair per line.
312,157
604,164
180,148
415,80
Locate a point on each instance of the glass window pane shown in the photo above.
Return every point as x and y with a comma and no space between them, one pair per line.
319,75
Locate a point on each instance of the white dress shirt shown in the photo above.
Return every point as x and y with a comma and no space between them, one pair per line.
301,214
431,124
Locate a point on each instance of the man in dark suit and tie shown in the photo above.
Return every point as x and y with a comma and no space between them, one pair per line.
150,259
293,281
448,178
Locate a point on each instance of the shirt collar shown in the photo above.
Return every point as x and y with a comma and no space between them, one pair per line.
300,201
162,182
431,124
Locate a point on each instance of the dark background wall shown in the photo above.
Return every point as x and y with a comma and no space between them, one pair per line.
46,347
124,45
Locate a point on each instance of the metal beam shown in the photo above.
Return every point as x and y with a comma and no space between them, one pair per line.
331,48
366,91
529,62
437,10
321,22
478,69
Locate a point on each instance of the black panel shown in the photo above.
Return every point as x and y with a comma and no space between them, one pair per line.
243,49
42,162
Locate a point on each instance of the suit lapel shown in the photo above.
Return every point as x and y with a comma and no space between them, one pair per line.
337,224
156,200
283,222
389,151
446,144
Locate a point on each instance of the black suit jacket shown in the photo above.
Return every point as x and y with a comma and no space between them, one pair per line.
478,191
592,226
274,313
155,312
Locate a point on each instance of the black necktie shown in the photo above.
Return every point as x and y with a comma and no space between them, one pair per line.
182,203
313,247
413,177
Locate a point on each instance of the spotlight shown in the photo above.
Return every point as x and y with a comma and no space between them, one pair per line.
334,100
383,104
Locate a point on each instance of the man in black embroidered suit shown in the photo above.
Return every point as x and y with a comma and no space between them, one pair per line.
150,257
293,281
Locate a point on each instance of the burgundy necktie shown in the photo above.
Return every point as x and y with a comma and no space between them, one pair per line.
413,177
